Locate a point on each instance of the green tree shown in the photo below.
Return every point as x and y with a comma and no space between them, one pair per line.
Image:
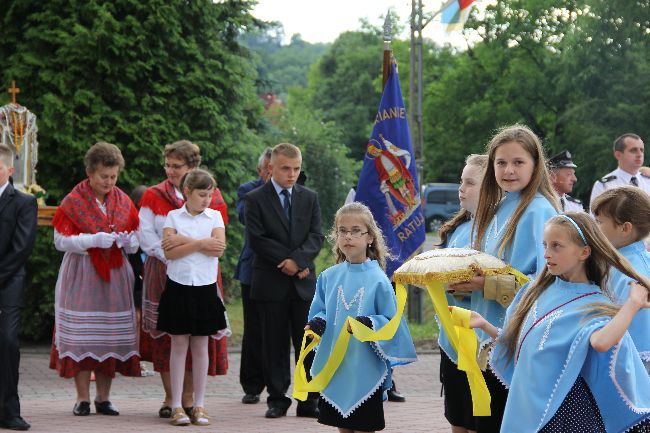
137,74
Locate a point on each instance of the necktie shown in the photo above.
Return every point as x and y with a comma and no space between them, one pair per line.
286,206
634,181
562,203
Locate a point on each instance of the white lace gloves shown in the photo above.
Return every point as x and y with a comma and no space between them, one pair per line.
128,241
85,241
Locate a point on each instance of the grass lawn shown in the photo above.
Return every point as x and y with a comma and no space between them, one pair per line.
425,334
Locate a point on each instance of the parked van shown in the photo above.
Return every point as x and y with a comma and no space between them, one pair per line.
440,202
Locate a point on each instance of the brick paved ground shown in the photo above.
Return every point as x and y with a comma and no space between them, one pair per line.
47,402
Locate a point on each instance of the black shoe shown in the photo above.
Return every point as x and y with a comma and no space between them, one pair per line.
395,396
276,412
106,408
307,410
188,410
81,409
250,399
15,423
165,411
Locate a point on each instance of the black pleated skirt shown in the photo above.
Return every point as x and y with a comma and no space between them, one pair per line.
194,310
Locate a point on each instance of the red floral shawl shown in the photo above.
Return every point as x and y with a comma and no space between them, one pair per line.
162,199
79,213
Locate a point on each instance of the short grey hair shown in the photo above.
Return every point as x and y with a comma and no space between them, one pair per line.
266,154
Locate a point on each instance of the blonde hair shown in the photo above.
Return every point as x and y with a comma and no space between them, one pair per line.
377,249
491,194
185,150
625,204
285,149
603,256
463,215
197,179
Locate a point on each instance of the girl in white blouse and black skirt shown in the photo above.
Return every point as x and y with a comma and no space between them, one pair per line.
190,310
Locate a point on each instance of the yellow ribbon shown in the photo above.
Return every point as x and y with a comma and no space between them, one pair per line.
463,340
301,386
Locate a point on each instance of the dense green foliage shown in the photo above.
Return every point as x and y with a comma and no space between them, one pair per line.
137,74
280,67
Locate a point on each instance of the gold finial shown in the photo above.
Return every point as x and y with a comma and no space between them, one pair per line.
13,90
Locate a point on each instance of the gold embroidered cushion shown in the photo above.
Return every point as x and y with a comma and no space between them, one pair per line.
449,265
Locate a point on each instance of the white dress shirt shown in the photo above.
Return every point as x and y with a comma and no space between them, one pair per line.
278,190
3,187
194,269
622,178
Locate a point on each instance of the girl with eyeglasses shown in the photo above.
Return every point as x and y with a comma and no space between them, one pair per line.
357,287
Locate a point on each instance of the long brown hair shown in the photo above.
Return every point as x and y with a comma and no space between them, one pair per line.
603,256
491,193
463,215
377,249
625,204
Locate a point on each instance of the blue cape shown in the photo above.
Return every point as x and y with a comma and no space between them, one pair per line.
358,290
620,285
556,350
525,251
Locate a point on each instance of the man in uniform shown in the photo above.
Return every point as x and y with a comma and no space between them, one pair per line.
563,177
628,151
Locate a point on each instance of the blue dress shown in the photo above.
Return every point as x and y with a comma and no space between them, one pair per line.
355,290
554,354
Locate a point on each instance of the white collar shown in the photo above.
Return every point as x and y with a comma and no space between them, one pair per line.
205,212
3,187
624,175
279,189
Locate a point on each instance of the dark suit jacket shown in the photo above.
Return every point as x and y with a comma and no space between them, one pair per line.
18,218
243,270
273,239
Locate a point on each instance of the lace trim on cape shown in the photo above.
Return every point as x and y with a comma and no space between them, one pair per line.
621,393
361,401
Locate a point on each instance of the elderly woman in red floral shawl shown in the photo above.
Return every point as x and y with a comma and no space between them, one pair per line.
155,346
95,327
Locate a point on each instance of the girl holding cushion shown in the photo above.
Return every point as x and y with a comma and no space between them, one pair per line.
517,198
456,233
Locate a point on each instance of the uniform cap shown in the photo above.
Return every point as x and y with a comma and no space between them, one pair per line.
561,160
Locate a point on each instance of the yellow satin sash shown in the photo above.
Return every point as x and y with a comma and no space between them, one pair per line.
301,386
455,323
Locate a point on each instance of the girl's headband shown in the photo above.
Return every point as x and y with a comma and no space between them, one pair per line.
568,218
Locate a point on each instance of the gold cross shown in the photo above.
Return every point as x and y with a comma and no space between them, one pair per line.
13,90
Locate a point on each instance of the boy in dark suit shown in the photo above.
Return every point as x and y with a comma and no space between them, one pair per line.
18,216
283,224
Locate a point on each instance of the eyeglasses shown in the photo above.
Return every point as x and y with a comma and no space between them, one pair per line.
174,167
354,233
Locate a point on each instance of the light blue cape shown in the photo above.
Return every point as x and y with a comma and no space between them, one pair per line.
525,252
620,284
556,351
358,290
